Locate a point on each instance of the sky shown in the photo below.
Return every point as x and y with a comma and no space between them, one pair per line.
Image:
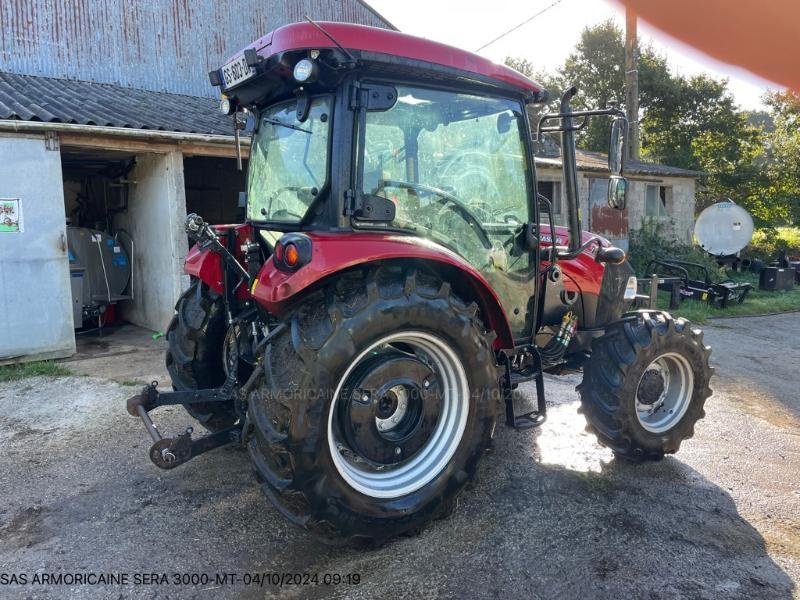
549,38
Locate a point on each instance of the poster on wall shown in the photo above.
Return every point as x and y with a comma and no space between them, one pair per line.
11,215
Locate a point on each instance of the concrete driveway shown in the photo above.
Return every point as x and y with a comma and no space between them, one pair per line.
550,515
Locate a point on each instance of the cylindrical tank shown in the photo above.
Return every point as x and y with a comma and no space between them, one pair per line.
104,262
723,228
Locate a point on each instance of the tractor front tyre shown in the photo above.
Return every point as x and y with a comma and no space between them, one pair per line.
379,398
195,338
645,385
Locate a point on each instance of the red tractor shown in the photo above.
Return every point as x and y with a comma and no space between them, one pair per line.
397,276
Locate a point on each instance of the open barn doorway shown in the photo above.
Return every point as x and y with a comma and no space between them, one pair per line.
212,188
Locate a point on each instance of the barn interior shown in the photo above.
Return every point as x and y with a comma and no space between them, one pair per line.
125,237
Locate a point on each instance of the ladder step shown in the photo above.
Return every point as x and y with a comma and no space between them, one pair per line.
533,418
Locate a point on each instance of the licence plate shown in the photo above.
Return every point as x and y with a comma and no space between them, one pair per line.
235,72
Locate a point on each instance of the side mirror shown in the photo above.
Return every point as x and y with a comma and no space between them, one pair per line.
617,192
616,147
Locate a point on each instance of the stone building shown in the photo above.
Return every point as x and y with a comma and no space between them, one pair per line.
657,193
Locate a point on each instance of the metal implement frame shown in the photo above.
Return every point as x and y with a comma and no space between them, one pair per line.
703,290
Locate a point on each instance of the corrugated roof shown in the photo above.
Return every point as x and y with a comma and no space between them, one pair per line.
597,161
50,100
31,98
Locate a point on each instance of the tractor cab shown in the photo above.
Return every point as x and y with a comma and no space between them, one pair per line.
356,129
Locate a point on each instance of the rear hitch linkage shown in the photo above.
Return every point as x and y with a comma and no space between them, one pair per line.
168,453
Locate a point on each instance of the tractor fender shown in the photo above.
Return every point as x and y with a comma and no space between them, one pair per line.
207,265
332,253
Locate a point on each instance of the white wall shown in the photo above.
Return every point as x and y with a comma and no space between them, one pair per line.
156,210
35,296
679,224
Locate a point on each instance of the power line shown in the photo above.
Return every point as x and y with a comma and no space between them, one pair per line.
525,22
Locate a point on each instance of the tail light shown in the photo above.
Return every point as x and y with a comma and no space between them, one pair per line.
292,251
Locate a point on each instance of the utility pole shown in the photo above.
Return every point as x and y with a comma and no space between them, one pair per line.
632,83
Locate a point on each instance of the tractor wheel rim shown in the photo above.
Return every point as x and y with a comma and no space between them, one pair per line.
432,457
664,392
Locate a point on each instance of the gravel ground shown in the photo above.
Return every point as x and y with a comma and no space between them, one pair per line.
550,515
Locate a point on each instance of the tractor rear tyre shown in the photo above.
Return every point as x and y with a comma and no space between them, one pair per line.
194,356
645,385
379,398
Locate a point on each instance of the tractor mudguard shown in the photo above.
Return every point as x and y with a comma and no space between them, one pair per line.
583,273
207,265
333,253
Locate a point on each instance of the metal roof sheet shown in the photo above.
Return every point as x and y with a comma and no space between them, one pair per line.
46,99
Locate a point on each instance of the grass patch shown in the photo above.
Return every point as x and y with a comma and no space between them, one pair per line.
758,302
132,383
32,369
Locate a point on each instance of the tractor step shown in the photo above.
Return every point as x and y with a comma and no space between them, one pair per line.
168,453
533,418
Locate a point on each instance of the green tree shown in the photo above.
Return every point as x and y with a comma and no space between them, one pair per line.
596,66
688,122
780,202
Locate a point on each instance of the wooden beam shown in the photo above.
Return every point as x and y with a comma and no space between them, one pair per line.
105,142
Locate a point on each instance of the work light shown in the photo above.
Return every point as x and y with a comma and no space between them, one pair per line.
305,71
226,106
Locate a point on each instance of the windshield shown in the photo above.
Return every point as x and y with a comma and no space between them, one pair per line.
453,164
288,161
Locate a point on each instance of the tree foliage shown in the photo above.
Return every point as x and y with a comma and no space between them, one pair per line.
782,196
689,122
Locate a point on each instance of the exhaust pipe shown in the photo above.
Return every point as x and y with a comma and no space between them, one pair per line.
569,168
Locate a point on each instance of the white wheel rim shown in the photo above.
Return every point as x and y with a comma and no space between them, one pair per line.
430,460
662,413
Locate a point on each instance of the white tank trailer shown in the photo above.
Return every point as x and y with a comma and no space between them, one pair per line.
724,229
100,270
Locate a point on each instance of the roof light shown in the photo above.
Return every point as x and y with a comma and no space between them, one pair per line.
305,71
226,106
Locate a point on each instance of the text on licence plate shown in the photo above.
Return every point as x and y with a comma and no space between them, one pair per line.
236,71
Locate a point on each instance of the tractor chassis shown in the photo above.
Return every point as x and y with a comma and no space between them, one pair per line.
168,453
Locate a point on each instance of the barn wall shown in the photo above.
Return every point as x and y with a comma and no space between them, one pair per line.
159,45
680,222
35,297
155,215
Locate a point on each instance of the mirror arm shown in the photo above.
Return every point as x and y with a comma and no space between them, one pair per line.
557,128
570,254
615,112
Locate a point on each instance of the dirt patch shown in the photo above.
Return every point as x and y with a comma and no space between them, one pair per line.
26,529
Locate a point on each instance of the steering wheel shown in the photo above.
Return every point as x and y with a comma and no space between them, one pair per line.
445,198
276,194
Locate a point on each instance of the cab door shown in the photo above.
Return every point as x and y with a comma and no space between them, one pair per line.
457,167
